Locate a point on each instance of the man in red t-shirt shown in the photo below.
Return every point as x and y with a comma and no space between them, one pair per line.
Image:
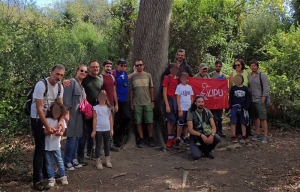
109,85
170,83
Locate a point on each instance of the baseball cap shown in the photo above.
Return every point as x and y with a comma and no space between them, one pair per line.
121,61
203,66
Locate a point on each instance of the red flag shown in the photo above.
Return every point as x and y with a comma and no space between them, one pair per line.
214,91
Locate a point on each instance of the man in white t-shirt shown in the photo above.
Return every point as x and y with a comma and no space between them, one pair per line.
42,98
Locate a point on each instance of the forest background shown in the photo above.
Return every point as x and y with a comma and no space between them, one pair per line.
71,32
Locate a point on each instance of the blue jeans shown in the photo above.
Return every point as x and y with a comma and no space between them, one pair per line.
70,149
56,155
196,151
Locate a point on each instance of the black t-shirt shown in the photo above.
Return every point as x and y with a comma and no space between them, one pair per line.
92,86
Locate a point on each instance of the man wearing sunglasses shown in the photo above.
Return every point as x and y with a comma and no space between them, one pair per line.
202,71
142,101
122,117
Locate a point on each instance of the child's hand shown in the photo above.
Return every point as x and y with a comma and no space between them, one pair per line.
180,114
93,134
168,110
111,133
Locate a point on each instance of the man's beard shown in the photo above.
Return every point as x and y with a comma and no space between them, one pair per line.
200,107
218,70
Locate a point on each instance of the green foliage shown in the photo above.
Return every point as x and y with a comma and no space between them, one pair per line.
282,68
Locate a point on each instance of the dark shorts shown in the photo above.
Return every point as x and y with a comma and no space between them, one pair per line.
237,113
172,116
258,110
182,120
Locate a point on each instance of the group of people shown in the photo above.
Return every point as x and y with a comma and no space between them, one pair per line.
56,111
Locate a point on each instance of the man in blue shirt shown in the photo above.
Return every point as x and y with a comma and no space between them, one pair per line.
122,117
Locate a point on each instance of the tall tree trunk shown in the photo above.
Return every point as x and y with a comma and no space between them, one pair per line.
151,43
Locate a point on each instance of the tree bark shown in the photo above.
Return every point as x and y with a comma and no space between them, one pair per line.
151,43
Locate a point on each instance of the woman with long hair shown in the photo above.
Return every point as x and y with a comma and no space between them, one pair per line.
73,96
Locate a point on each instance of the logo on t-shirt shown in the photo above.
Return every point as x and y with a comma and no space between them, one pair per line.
239,93
185,93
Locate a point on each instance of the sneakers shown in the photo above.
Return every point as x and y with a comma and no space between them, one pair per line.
99,164
244,140
151,142
69,167
233,139
51,182
264,139
41,187
82,161
171,142
76,164
177,144
186,141
255,137
140,143
64,180
107,162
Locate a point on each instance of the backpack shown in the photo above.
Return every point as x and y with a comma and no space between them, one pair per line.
29,98
169,79
268,100
112,76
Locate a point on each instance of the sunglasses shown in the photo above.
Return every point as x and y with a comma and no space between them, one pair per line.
140,65
123,65
83,71
238,65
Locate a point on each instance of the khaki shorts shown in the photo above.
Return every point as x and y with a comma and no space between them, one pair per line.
258,110
141,111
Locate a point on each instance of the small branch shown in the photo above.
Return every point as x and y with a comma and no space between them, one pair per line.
185,174
118,175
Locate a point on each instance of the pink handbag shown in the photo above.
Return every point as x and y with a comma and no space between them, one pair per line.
86,108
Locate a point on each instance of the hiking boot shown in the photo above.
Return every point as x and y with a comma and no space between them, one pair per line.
115,148
234,139
177,144
107,162
51,182
82,161
99,164
210,155
64,180
186,141
151,142
40,186
69,167
76,164
255,137
264,139
141,143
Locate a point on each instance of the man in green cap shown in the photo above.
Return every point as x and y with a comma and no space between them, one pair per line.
203,69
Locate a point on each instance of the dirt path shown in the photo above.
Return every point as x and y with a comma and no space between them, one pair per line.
256,167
